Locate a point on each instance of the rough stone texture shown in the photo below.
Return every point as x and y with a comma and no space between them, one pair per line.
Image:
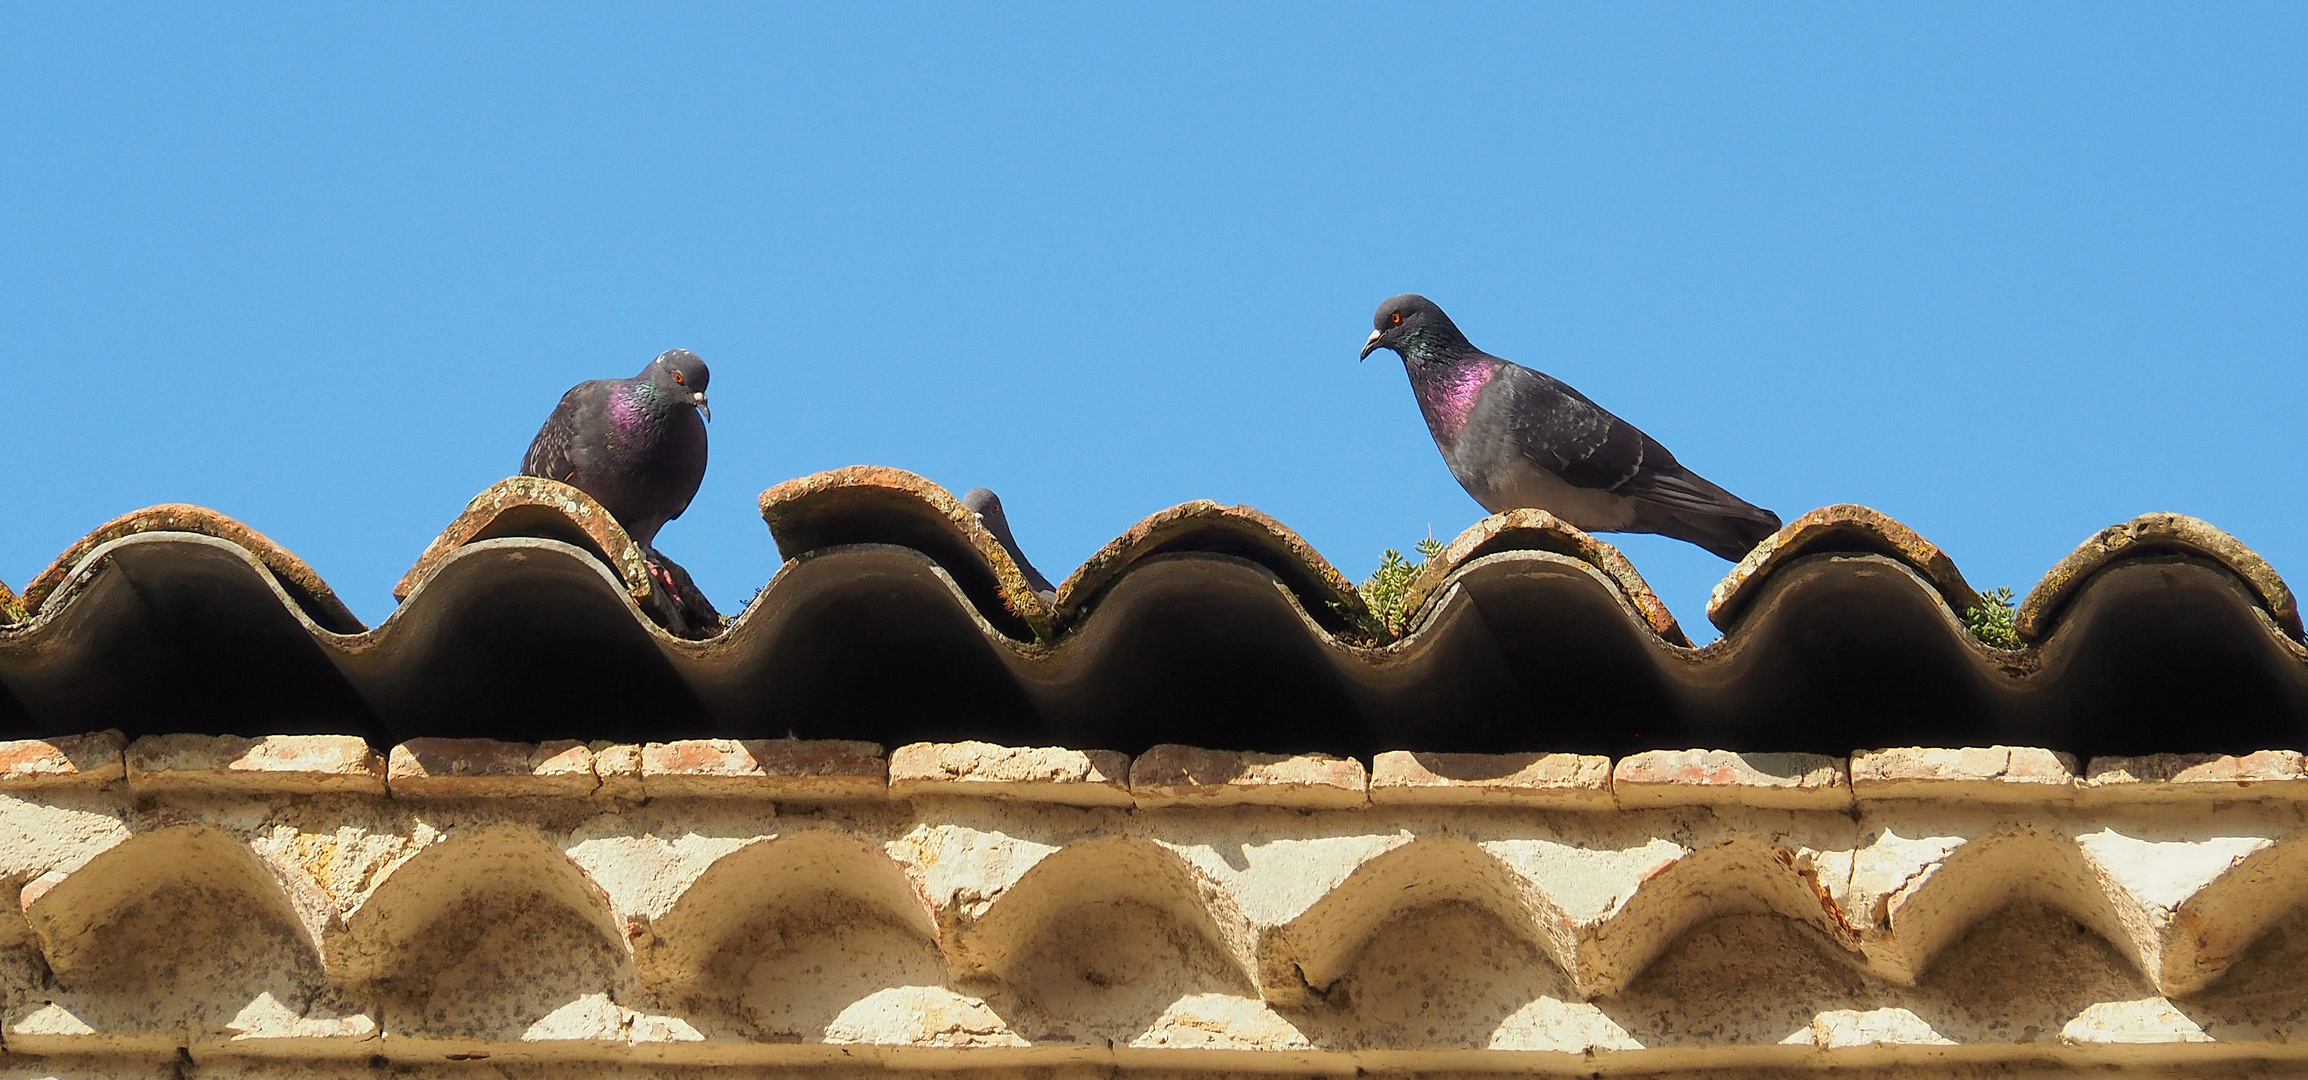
618,767
67,761
1034,774
1571,781
361,932
798,769
2277,774
469,767
1945,1066
1173,775
1724,778
295,764
1981,773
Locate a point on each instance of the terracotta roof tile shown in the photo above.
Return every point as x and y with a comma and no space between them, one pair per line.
897,619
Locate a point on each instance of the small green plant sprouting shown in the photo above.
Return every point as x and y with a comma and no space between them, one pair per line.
1992,619
1388,588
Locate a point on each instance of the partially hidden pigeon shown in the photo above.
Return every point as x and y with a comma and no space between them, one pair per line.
636,445
1515,437
988,506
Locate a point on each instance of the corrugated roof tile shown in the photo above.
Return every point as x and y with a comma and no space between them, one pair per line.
1844,527
2145,536
1538,530
302,584
1206,527
866,504
899,620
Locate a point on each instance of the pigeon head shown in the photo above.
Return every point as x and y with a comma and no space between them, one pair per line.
983,502
1414,327
681,377
988,508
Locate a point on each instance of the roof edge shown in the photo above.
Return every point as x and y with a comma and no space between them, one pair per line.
1843,527
795,511
1203,525
295,576
1538,530
2147,534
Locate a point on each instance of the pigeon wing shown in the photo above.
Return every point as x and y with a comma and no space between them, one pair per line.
560,450
1559,430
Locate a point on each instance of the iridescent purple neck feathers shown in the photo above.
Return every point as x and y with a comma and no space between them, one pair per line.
637,414
1447,390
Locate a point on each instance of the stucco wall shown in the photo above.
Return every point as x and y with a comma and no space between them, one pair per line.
209,906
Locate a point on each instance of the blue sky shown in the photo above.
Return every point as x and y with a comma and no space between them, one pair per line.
2009,273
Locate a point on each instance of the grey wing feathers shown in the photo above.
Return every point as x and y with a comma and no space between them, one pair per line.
1559,430
553,453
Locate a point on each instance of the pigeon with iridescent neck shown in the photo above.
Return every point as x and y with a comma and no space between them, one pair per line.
1515,438
636,445
988,507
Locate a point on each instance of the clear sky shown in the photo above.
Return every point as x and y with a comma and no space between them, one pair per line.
2008,272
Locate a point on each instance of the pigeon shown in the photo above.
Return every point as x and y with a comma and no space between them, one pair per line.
636,445
1515,437
988,506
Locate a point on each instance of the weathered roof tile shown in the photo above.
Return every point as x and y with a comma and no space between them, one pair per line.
1566,781
802,770
1034,774
289,764
899,620
2151,534
1173,775
1844,527
93,760
1721,777
469,767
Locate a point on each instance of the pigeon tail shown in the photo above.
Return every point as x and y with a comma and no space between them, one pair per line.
1730,535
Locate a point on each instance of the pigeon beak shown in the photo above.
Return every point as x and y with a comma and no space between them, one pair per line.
1371,345
702,407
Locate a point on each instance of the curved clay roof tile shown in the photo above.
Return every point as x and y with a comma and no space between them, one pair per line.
2152,534
539,508
1538,530
1845,527
865,504
296,578
1206,526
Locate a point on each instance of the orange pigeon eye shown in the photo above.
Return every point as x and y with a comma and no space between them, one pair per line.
678,379
1398,318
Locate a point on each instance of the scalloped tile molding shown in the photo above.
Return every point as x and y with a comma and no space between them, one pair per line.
308,907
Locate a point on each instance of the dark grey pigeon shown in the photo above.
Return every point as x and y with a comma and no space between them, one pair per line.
988,506
1515,437
636,445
